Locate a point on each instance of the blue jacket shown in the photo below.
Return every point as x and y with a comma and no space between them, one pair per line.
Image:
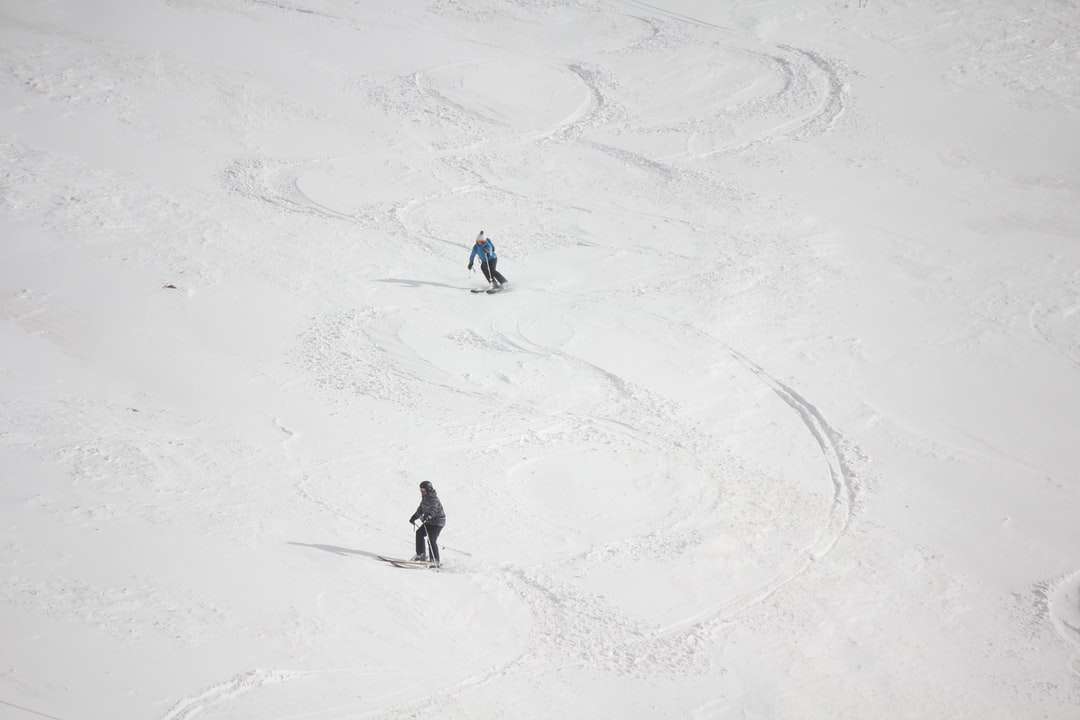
486,251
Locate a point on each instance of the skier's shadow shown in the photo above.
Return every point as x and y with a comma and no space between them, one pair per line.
419,283
337,549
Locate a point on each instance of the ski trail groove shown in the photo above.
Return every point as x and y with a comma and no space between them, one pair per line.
275,184
842,506
628,648
844,486
303,11
572,626
28,710
588,113
1037,315
688,19
1063,599
797,80
222,692
835,101
566,130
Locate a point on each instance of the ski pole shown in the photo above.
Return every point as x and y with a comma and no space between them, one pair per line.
427,539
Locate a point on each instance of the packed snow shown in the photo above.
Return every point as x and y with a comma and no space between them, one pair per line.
777,417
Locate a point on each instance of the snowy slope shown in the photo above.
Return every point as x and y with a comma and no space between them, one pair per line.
777,418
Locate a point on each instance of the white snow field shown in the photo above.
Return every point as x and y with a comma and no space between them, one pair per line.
779,416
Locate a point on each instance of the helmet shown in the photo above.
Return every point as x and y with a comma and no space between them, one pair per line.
426,485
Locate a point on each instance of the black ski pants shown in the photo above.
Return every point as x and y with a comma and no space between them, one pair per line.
431,532
488,266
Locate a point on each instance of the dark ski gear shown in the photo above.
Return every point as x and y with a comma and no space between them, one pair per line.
429,532
432,520
430,509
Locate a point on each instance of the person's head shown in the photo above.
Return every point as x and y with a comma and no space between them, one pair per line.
480,238
426,488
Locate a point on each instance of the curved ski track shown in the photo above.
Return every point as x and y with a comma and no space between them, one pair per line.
582,631
797,81
845,490
580,628
249,179
1063,600
237,685
835,100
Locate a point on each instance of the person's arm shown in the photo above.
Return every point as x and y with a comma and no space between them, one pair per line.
418,513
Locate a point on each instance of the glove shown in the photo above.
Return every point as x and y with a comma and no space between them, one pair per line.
469,266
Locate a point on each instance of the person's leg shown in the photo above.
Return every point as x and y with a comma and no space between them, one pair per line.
433,535
421,533
495,274
485,269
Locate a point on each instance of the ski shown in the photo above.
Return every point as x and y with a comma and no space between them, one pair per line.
403,563
387,558
411,565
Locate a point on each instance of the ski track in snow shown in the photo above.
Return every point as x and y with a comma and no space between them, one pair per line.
240,684
1063,600
835,97
845,487
575,628
844,498
29,711
1041,322
674,15
276,184
805,74
802,72
819,120
363,355
295,9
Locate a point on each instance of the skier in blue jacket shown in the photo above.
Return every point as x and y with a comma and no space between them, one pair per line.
485,250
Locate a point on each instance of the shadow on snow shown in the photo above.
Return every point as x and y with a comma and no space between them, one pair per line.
419,283
338,550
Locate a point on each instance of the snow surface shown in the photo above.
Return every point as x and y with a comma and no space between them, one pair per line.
779,417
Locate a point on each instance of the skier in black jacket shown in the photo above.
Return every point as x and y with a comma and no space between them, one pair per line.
432,520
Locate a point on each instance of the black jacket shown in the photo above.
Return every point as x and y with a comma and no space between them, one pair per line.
430,510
